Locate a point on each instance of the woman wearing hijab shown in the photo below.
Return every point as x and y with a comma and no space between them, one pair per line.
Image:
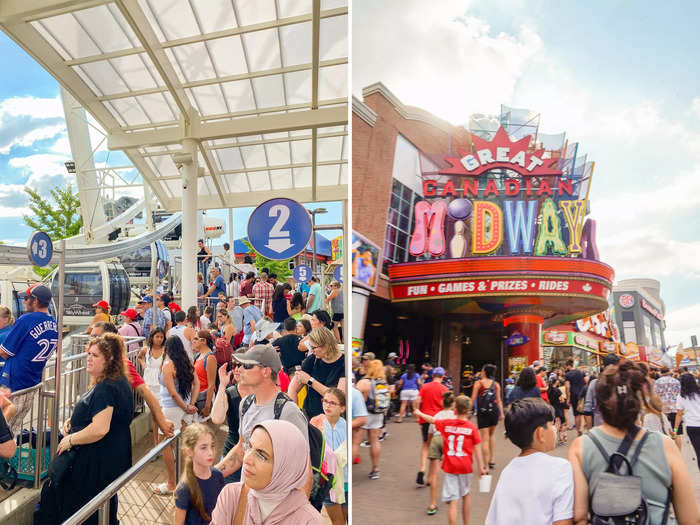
275,469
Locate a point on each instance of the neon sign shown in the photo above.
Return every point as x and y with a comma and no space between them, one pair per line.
500,218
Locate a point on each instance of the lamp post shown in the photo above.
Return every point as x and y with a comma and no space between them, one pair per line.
313,236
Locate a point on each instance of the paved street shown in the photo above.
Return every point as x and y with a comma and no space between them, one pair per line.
396,498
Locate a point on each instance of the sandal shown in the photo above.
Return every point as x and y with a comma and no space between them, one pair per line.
162,489
432,510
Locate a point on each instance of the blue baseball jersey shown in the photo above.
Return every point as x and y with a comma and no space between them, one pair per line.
29,345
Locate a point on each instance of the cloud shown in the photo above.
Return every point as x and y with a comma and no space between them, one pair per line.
681,324
12,195
436,57
26,120
695,106
45,170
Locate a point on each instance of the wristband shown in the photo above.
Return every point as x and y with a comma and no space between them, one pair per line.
310,382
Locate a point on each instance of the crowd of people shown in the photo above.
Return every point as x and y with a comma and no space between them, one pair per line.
623,409
262,357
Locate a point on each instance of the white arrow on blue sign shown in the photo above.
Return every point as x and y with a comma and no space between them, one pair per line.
302,273
40,248
279,229
338,273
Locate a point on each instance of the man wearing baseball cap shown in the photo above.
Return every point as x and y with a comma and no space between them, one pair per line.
131,327
429,402
147,303
101,315
260,366
251,315
27,347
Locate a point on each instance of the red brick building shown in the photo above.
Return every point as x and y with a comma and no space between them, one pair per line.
463,278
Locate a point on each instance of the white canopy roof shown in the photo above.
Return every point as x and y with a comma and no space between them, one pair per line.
260,84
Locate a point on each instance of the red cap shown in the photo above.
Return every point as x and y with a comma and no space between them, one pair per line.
130,313
102,304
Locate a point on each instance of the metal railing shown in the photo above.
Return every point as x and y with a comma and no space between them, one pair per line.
100,502
33,455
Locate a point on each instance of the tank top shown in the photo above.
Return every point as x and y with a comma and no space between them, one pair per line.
202,254
179,330
651,466
201,371
152,370
337,303
166,400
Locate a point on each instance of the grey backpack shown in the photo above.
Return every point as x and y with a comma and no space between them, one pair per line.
617,498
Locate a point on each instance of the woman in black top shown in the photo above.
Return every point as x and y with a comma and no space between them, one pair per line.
98,433
526,386
320,371
279,303
203,258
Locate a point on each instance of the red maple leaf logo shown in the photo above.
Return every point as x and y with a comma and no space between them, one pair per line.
500,152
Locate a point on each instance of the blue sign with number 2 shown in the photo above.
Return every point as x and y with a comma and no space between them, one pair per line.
279,229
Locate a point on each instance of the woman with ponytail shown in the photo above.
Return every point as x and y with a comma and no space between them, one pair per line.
195,497
179,387
623,394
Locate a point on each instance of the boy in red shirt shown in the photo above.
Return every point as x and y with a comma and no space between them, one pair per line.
461,442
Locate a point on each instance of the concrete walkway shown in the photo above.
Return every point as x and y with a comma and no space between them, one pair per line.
395,497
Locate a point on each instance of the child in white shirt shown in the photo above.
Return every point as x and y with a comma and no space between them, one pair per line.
534,488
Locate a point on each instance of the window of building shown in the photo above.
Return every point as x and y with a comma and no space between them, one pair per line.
406,189
647,330
629,332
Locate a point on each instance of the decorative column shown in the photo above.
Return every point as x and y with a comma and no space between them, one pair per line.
189,224
454,351
529,325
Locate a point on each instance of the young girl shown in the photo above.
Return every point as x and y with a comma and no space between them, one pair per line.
151,360
334,428
200,484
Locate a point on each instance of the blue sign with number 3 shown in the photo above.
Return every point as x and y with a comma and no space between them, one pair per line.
40,248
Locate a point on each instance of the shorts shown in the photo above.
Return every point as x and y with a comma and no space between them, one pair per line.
559,413
486,420
574,404
672,419
374,422
455,486
435,447
424,431
337,318
177,416
408,395
23,403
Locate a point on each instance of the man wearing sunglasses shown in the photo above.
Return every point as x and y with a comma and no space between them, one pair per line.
259,368
28,346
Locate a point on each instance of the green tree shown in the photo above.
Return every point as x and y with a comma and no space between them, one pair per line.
281,268
59,219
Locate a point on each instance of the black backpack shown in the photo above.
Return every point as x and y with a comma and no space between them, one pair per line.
487,401
323,481
618,498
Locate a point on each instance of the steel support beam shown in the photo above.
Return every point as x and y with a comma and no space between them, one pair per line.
315,118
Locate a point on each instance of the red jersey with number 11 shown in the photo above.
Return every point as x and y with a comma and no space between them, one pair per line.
459,437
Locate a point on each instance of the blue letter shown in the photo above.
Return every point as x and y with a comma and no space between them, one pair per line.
518,227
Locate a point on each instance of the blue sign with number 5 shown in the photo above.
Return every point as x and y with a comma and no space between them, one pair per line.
279,229
302,273
40,249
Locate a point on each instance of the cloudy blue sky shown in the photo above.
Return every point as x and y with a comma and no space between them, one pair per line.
621,78
34,146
